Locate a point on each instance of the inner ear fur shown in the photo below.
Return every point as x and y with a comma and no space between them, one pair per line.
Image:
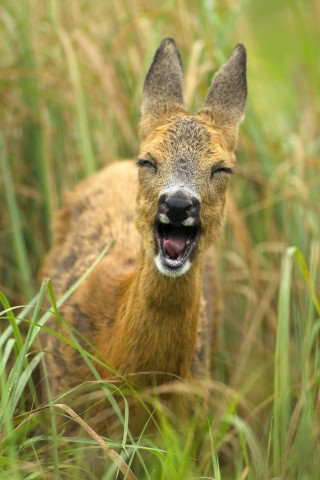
162,95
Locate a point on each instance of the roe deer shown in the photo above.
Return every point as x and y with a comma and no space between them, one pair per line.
143,307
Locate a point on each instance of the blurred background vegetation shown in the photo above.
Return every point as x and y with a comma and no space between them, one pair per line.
71,79
70,84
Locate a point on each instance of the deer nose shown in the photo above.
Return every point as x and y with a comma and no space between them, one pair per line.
180,205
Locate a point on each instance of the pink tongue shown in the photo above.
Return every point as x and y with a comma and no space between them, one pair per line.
174,247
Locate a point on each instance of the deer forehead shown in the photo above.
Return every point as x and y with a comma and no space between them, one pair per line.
185,140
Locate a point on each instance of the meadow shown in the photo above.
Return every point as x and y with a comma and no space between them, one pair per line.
70,86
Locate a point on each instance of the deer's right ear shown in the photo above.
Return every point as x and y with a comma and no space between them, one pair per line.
163,87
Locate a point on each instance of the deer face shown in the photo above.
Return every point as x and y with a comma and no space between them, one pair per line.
184,171
184,165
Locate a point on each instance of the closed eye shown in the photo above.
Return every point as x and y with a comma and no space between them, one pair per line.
143,163
216,169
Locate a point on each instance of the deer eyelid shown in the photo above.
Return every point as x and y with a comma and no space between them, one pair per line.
148,163
221,168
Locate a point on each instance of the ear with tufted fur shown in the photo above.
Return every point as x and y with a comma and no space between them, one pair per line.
163,87
227,95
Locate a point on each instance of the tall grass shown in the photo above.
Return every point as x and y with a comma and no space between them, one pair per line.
71,77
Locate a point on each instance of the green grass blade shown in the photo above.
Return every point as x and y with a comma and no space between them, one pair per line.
7,352
282,401
12,320
13,385
308,278
214,457
9,330
249,445
23,380
21,256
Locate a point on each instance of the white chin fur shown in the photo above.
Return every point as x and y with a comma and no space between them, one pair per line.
167,271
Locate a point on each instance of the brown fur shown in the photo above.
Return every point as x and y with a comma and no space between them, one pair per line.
137,318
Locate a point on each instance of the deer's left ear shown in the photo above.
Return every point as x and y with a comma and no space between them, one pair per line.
163,87
227,95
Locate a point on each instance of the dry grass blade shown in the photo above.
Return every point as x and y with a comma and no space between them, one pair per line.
80,104
112,454
107,74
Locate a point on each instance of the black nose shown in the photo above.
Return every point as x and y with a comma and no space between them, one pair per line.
178,204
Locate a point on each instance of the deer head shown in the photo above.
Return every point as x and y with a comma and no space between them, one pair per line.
185,162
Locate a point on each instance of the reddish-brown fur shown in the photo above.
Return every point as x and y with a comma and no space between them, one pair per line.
137,318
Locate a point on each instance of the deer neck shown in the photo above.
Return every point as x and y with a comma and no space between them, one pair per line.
157,322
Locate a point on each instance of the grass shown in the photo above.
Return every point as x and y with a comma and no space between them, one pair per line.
71,77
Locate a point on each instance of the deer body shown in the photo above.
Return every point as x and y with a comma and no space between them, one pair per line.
143,307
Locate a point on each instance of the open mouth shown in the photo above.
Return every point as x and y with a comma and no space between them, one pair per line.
176,243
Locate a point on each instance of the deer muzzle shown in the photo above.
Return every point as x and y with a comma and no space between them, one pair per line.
176,232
